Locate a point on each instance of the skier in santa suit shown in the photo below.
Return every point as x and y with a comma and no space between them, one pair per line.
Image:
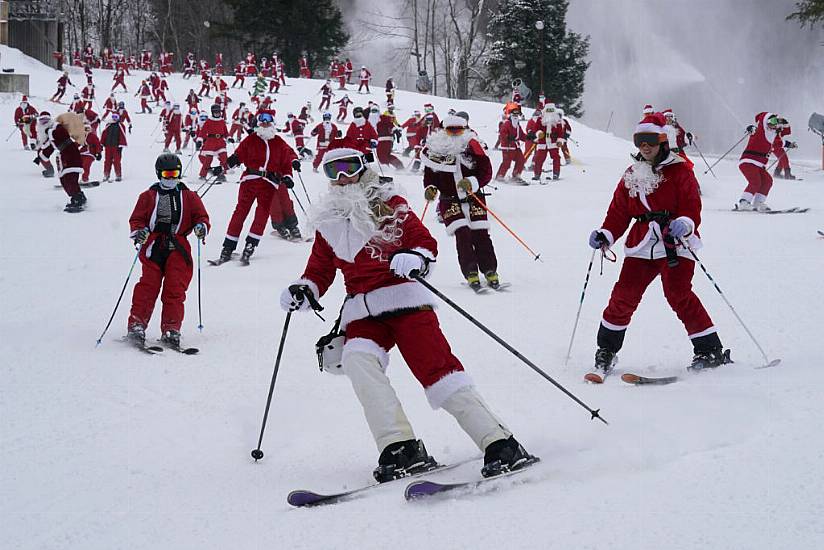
205,83
385,130
304,67
219,63
125,119
25,118
456,165
110,105
113,140
534,124
360,132
780,144
676,137
89,152
509,135
211,142
240,74
753,162
364,76
268,162
367,230
425,129
77,103
173,126
325,132
238,123
163,218
88,116
348,69
190,126
56,135
343,106
295,126
660,193
62,82
410,125
145,93
326,95
429,110
87,93
160,91
548,142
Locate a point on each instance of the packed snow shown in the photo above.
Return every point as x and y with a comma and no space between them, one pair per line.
106,448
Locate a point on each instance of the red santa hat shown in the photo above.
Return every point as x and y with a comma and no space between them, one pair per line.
428,107
648,110
667,112
653,124
453,121
25,99
342,148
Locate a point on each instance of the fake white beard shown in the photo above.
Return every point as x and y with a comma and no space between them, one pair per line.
353,203
327,128
443,144
266,132
359,121
640,177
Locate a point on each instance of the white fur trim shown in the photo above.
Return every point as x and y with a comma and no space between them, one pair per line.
311,284
476,186
648,128
64,171
384,300
215,153
752,161
454,226
610,326
688,221
710,330
444,388
426,253
365,345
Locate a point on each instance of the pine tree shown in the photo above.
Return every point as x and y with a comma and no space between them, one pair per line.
809,12
516,52
290,28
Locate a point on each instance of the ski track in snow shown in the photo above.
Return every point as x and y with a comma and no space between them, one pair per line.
108,448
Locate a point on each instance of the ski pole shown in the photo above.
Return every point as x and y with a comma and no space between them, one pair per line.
257,454
305,192
375,153
705,160
210,185
609,122
199,310
594,413
580,305
298,201
500,221
189,163
770,167
134,262
425,208
156,126
767,362
746,135
13,130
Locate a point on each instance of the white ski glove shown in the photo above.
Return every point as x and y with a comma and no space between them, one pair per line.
293,298
404,263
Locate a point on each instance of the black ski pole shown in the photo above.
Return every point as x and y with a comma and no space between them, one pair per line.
305,192
298,201
580,305
211,184
746,135
257,454
770,167
705,160
199,310
189,163
767,362
134,262
594,413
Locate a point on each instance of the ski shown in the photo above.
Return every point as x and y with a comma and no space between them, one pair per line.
501,287
425,488
596,377
73,209
184,351
95,183
141,346
638,380
219,262
302,498
793,210
478,290
820,233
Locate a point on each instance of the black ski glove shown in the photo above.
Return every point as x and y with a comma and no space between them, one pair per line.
296,165
287,181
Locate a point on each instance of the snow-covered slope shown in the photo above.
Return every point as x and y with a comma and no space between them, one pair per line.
109,448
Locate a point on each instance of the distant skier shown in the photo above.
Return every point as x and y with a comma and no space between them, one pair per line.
62,82
660,193
753,162
456,165
211,143
781,146
90,151
367,230
365,76
25,118
164,216
343,106
509,135
113,140
62,135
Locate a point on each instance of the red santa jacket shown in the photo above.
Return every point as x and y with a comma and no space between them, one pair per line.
108,137
22,117
365,75
173,122
57,139
676,192
760,143
385,127
475,166
411,125
212,135
372,287
361,135
261,156
192,212
92,146
324,134
510,134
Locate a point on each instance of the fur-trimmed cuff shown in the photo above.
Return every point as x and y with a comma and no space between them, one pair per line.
444,388
687,220
610,237
475,185
310,283
365,345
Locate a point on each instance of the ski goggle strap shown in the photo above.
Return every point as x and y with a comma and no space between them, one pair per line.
347,166
170,174
265,117
650,138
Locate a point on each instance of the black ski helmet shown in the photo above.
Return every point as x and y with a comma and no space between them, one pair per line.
216,110
168,161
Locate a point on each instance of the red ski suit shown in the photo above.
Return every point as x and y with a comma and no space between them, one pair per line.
26,120
325,131
509,135
89,153
212,136
69,163
361,136
166,256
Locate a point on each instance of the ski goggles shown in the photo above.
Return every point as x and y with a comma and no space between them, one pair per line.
454,130
115,117
650,138
348,166
170,174
265,117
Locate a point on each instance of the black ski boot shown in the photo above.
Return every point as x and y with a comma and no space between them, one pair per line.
604,363
76,203
248,250
402,459
283,231
136,335
48,172
294,233
505,455
708,359
171,338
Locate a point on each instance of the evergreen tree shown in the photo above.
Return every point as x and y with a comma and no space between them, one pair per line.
516,52
809,12
290,28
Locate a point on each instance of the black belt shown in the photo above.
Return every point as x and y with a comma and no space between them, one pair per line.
218,136
402,311
660,216
677,149
755,153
